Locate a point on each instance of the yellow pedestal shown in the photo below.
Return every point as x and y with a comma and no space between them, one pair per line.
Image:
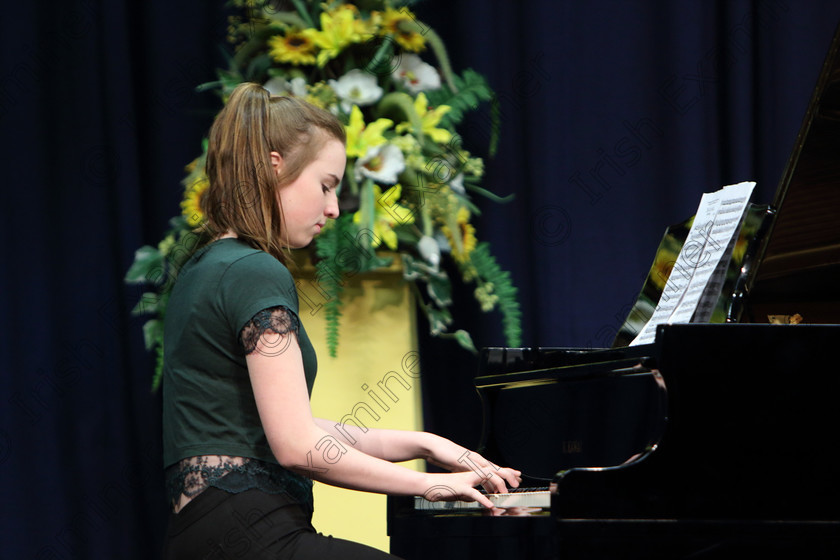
372,382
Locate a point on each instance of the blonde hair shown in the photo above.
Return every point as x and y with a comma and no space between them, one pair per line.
242,193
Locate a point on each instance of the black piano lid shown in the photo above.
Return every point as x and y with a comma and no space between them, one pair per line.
746,457
798,263
745,461
789,261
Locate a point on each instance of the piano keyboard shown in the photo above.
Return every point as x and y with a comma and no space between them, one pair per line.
517,497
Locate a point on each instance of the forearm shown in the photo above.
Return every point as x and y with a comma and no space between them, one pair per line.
390,445
326,456
401,445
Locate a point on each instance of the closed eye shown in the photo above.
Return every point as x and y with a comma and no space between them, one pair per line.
332,183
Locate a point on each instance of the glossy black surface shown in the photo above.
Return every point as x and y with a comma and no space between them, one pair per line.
717,441
798,262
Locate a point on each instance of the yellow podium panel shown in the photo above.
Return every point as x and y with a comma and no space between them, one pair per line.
373,382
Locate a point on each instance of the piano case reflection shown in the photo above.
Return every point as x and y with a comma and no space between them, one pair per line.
719,436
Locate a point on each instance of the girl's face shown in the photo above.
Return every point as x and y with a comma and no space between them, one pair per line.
310,199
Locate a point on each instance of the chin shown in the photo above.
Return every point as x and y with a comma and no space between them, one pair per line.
301,244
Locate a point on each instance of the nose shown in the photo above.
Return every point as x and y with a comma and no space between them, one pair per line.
331,210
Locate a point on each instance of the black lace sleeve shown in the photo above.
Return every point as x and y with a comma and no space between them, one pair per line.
273,327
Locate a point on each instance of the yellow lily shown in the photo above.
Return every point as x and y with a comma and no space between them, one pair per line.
361,137
387,213
429,119
339,27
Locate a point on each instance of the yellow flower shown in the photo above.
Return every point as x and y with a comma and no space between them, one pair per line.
321,95
166,244
190,205
461,234
485,296
401,24
429,119
387,213
412,151
295,47
339,28
361,137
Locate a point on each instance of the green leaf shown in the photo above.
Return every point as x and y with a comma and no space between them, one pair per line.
440,290
258,67
153,333
149,303
472,90
465,340
416,269
439,320
304,14
489,271
336,254
147,267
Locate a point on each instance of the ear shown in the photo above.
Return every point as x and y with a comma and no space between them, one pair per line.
276,162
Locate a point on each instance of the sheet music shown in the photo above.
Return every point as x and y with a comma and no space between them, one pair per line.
697,276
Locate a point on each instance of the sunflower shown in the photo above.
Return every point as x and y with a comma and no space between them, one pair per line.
461,235
402,26
294,47
191,204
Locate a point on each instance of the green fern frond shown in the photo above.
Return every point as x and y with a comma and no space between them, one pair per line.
472,90
329,279
488,270
343,250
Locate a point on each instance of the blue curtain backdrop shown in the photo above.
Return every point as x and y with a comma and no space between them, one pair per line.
616,116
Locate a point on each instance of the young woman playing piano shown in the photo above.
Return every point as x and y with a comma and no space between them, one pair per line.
240,443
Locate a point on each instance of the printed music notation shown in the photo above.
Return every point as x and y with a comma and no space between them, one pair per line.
697,276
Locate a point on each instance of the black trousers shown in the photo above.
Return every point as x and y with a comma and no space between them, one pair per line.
218,525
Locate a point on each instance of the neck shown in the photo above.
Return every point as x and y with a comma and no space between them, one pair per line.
226,235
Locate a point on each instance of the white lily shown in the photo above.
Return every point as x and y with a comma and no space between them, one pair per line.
457,184
415,74
280,86
429,250
298,87
381,163
356,88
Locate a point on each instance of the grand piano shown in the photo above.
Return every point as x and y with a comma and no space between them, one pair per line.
720,437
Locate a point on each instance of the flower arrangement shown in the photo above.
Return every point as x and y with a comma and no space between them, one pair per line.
407,192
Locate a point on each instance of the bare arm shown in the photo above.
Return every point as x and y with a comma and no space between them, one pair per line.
300,443
402,445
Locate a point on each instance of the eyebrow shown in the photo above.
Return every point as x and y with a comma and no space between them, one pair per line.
335,179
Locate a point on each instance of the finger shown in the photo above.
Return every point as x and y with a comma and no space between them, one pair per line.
482,499
494,484
512,477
